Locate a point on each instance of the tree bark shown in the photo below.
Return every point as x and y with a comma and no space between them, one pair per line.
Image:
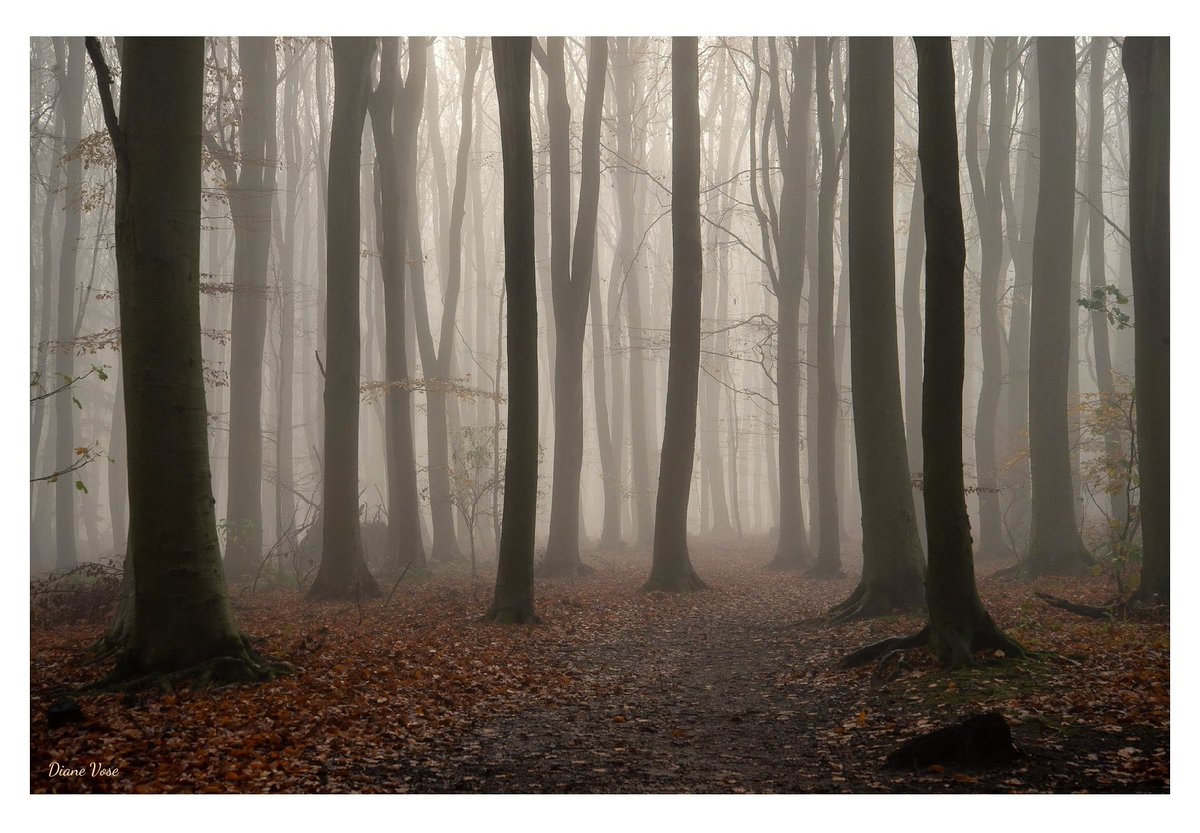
251,202
958,623
1055,546
571,277
343,572
1147,63
513,599
892,560
182,624
671,569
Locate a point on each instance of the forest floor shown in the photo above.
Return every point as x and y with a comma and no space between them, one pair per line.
735,689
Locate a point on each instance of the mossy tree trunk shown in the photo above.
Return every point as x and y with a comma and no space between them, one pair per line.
181,623
671,569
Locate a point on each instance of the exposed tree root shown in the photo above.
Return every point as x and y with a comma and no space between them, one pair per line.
1117,609
866,654
246,666
870,600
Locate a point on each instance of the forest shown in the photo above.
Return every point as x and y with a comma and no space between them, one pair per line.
755,414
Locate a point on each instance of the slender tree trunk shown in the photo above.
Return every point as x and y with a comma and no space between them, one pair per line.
792,551
672,568
64,357
914,257
610,534
393,124
251,201
1055,546
513,600
343,572
829,558
118,471
1147,63
1116,486
570,284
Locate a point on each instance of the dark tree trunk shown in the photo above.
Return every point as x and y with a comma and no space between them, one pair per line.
829,559
343,572
672,568
118,472
513,600
1147,63
892,558
610,534
181,623
571,277
393,124
64,357
251,202
1055,546
958,623
1116,485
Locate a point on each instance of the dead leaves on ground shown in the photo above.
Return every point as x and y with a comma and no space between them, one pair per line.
424,675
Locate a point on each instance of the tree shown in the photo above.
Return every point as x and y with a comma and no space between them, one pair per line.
1106,386
571,278
829,558
1055,545
71,94
784,232
986,190
892,558
393,107
182,624
513,599
958,623
250,182
671,569
1147,63
343,572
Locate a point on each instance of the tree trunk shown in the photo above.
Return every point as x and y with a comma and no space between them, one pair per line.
958,623
64,356
829,558
343,572
251,201
1147,63
1116,485
610,531
182,622
792,551
892,559
1055,546
393,124
571,276
671,569
513,600
986,191
914,257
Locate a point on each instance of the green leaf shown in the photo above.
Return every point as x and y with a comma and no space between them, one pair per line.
78,404
80,487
